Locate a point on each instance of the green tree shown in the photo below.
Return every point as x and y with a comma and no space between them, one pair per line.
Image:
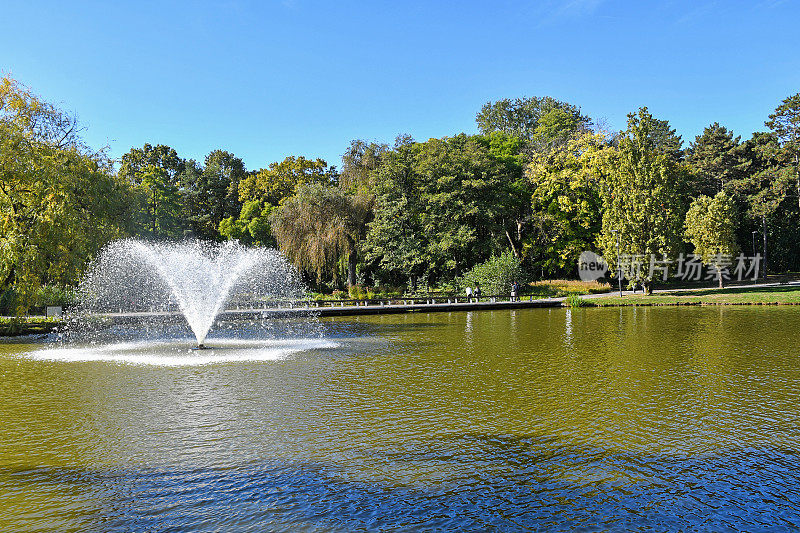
155,173
715,158
529,118
644,196
507,164
444,205
281,179
162,203
395,242
711,228
261,192
785,123
138,161
216,193
252,227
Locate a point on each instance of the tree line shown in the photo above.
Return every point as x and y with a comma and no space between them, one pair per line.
537,185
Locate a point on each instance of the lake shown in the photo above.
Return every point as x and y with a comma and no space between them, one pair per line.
657,419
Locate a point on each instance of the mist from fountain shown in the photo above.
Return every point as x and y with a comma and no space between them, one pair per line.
195,278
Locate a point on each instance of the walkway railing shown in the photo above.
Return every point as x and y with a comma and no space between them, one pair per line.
382,302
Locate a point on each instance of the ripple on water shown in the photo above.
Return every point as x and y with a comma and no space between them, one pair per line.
657,420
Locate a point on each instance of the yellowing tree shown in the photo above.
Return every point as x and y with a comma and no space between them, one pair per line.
644,195
59,201
711,228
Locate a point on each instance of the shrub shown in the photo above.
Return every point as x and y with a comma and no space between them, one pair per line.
357,292
576,301
496,274
54,295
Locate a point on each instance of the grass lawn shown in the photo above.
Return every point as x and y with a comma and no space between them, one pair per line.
734,296
556,288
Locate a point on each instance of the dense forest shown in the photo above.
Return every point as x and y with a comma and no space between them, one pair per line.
538,184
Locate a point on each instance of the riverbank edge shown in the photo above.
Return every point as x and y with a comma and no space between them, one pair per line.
32,326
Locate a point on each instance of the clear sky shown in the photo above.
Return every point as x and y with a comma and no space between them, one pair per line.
267,79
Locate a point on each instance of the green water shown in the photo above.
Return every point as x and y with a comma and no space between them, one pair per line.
660,418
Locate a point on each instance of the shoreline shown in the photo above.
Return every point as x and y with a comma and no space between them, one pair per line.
776,294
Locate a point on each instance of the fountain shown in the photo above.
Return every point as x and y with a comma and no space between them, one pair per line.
137,299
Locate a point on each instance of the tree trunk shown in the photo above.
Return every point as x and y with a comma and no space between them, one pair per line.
719,275
513,245
351,269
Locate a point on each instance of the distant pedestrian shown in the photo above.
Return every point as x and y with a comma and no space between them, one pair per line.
477,292
468,290
514,291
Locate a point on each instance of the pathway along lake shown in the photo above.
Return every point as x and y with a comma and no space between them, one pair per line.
656,419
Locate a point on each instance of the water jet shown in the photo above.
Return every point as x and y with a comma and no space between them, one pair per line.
191,282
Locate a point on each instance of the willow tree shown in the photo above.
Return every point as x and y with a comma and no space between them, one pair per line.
320,226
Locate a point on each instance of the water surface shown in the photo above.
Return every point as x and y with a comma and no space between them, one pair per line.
545,419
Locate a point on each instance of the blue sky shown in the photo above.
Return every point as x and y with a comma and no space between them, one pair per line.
298,77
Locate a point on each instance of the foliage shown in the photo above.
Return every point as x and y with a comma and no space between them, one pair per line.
715,158
496,275
358,292
566,200
154,173
574,300
138,161
54,295
535,185
319,226
12,326
785,122
530,118
644,196
59,201
280,180
441,206
710,227
252,227
359,163
214,195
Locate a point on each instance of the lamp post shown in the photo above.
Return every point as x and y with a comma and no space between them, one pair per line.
754,243
619,267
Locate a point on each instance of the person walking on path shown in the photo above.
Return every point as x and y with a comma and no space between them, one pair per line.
514,291
468,290
477,292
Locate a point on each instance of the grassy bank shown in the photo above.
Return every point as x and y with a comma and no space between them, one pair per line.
556,288
779,295
27,325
